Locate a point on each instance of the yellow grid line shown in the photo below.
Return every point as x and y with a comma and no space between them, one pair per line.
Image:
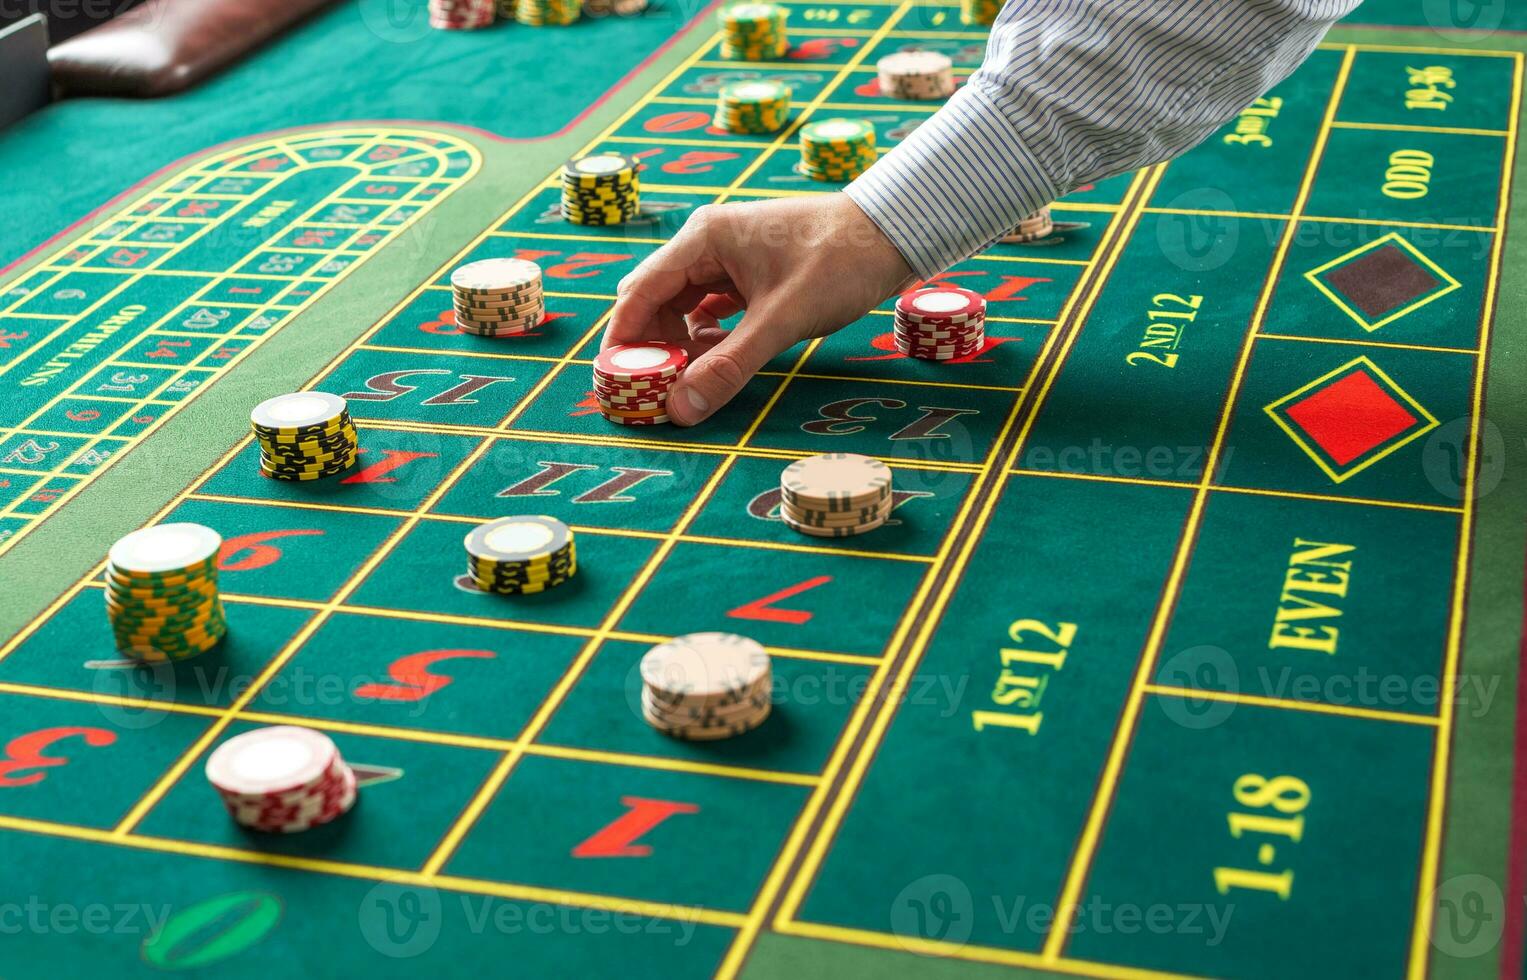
1086,849
1062,963
1436,807
1077,306
251,343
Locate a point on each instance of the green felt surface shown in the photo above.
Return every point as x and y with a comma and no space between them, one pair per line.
944,768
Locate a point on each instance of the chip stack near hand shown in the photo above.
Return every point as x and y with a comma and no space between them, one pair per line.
752,107
602,189
754,32
979,11
706,686
282,779
835,495
521,555
916,76
161,592
539,13
461,15
498,297
1031,229
837,149
632,381
940,324
304,436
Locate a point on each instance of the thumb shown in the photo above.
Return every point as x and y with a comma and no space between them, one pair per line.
716,376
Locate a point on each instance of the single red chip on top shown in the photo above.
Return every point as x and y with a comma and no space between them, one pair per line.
640,362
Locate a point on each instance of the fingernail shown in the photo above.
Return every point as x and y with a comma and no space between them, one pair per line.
697,402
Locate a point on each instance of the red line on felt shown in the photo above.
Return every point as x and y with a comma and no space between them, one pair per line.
626,79
1516,853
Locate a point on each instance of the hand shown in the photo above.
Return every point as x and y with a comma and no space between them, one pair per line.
800,267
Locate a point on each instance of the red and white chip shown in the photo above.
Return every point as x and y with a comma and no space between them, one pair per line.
941,305
271,761
640,362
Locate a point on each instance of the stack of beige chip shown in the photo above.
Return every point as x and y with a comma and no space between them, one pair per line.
498,297
706,686
835,495
1031,229
916,76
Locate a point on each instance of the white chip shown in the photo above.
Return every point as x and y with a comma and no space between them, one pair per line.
271,760
165,548
299,410
702,667
609,164
496,275
940,301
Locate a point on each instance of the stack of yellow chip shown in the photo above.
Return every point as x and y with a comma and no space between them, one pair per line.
602,189
752,107
837,149
538,13
706,686
521,555
979,11
754,31
1031,229
306,435
161,592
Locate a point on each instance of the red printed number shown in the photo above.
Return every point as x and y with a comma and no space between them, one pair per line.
29,751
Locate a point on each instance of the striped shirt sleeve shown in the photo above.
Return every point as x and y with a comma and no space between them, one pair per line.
1072,92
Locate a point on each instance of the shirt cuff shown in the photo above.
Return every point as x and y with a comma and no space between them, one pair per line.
962,180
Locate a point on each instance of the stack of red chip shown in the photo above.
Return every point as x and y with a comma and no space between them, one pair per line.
461,15
632,381
941,324
282,779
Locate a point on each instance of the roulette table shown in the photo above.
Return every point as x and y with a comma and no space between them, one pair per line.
1191,645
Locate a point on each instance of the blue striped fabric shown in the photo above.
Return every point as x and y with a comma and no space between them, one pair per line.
1074,91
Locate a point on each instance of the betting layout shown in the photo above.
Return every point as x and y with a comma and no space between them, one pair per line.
1375,320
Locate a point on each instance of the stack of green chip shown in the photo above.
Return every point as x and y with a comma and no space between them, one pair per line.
161,592
754,32
837,149
538,13
752,107
601,189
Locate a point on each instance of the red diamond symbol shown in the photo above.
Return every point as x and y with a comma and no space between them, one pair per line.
1351,417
